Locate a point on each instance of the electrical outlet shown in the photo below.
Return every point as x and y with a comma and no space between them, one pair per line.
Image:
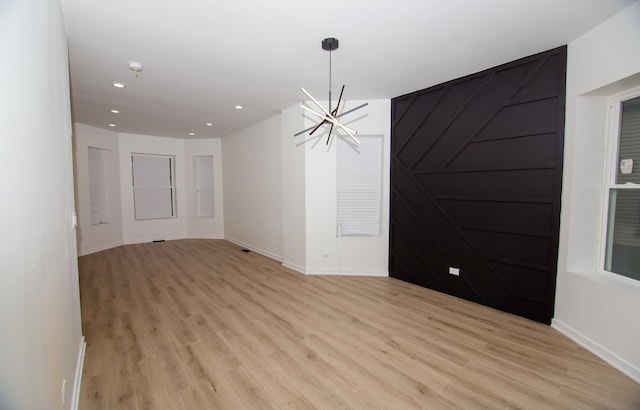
454,271
64,390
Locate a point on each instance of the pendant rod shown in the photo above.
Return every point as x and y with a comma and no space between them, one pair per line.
330,44
329,80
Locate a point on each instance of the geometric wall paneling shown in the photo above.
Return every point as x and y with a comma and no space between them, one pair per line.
476,173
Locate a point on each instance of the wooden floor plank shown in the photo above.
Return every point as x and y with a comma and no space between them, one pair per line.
199,324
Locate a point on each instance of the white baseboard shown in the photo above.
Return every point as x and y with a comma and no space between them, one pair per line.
83,252
199,236
348,272
268,254
255,249
340,272
614,360
158,238
75,394
294,267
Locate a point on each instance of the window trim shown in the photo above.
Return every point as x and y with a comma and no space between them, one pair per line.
198,186
359,227
172,186
103,185
611,147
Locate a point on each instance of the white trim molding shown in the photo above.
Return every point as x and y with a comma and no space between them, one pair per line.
293,266
603,353
101,248
347,272
205,236
255,249
152,239
75,395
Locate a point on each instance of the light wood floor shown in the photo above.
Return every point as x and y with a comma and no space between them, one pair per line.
197,324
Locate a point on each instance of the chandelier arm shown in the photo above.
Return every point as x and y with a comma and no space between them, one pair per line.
326,120
346,129
349,133
310,128
335,116
329,136
320,124
316,102
351,110
330,118
335,111
314,112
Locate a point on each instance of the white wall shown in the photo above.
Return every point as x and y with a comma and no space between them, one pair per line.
41,342
197,227
252,170
599,311
294,232
94,238
154,229
122,228
280,194
326,253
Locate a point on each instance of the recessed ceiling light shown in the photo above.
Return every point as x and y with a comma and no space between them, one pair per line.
239,107
118,85
115,111
208,124
192,133
112,125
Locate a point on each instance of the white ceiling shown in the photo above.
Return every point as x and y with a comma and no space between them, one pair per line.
203,57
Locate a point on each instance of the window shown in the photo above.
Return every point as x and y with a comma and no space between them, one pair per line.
359,186
153,186
97,161
622,246
203,183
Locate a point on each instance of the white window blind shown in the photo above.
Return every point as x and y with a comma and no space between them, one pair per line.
153,186
359,186
203,176
97,162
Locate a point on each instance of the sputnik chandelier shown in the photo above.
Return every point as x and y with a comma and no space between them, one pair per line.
329,116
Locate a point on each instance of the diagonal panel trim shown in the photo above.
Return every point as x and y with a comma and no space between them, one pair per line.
460,110
491,116
476,173
456,241
441,94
